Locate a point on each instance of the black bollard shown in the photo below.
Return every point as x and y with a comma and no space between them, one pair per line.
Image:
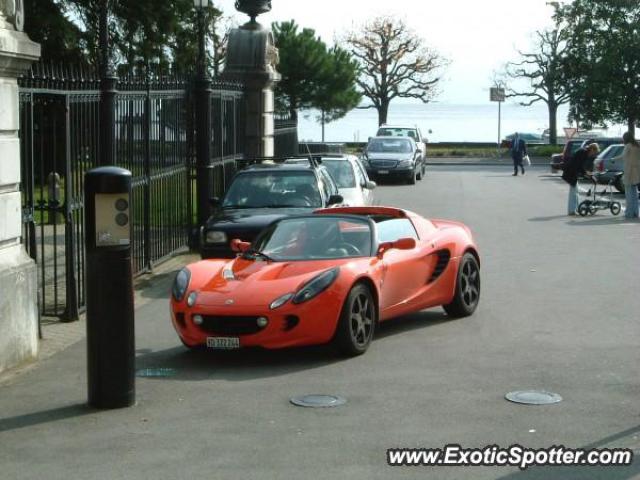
110,317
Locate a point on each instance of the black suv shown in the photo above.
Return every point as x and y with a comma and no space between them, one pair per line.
261,194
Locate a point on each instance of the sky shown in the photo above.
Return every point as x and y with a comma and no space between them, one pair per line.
478,37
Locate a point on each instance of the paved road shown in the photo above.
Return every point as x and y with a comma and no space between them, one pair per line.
555,315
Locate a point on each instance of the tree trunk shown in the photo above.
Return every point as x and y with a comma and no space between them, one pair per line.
323,121
383,112
632,127
553,124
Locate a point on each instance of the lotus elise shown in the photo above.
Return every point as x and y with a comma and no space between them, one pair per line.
330,276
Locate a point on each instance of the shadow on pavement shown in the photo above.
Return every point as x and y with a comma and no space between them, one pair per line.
181,364
548,219
408,323
235,366
585,472
46,416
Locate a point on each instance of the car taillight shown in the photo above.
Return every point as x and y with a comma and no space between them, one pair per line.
600,166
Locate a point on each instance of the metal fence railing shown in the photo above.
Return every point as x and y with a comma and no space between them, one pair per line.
153,138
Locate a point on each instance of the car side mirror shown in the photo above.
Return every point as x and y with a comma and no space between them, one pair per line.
239,246
405,244
369,185
401,244
214,202
335,199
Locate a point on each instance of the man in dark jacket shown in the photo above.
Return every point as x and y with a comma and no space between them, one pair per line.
518,151
578,165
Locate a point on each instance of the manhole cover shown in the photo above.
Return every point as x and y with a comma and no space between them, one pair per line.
533,397
318,401
156,372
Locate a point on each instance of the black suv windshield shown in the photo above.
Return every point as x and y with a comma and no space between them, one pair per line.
269,189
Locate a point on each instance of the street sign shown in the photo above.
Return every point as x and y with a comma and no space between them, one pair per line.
497,94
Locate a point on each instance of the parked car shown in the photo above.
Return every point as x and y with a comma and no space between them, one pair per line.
608,164
394,157
261,194
405,131
558,160
331,276
352,179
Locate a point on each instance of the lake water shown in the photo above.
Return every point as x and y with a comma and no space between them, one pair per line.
448,122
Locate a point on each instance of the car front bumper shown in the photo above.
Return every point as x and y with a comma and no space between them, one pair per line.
310,323
395,173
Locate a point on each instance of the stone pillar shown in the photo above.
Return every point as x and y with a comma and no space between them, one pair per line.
18,276
252,59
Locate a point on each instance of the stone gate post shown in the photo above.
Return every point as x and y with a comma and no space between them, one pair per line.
18,277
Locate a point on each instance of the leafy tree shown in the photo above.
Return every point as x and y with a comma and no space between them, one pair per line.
47,24
603,60
336,93
144,34
543,69
303,57
394,63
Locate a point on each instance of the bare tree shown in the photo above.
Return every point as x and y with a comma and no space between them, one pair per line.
394,63
543,69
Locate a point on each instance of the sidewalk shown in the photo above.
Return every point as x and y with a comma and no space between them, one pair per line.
58,336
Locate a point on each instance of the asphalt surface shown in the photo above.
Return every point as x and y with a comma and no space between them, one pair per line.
559,312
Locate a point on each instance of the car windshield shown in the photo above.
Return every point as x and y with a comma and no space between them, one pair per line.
390,145
341,171
261,189
397,132
316,238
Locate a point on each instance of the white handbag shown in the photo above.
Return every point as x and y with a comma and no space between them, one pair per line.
526,160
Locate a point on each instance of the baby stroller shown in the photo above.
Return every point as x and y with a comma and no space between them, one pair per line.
599,200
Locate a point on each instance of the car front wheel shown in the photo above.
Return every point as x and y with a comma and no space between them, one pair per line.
357,322
467,292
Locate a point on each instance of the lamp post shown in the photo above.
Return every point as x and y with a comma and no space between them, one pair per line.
204,171
108,83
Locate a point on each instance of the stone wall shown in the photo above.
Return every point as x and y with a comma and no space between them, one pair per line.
18,276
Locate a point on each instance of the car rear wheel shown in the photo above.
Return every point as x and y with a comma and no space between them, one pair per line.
357,322
467,293
619,185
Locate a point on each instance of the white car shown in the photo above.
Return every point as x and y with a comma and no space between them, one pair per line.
352,179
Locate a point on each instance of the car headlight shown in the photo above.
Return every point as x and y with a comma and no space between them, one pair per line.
180,284
316,286
214,236
278,302
405,163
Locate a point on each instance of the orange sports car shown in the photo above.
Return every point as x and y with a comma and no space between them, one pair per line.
330,276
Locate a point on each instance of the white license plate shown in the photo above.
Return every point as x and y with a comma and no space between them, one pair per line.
383,172
223,343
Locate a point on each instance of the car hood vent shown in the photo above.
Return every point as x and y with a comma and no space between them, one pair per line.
443,260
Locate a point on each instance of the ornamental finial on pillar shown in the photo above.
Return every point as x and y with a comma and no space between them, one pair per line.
253,8
13,11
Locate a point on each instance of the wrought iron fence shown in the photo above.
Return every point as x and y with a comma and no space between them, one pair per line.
154,139
285,136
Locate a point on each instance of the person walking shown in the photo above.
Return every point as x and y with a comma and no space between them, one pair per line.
631,178
579,164
518,151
